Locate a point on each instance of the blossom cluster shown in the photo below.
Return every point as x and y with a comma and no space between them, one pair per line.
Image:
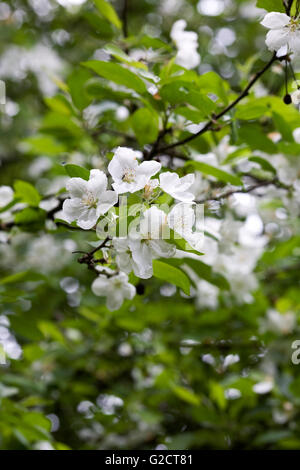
147,237
284,34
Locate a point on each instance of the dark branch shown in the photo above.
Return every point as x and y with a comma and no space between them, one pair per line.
124,18
288,6
251,188
88,258
209,125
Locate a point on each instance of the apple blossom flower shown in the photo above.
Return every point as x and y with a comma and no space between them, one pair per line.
280,323
147,242
128,174
296,97
284,34
187,45
177,187
6,196
89,199
123,254
115,289
182,219
263,387
296,135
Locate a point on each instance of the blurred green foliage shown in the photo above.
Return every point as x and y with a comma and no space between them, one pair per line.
163,370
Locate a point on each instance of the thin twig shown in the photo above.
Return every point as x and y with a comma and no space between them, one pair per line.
210,123
124,19
288,6
88,258
260,184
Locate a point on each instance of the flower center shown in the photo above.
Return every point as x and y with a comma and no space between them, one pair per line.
129,175
118,284
89,200
294,25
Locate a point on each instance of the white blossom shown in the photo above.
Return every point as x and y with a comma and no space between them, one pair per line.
115,289
187,45
280,323
144,243
127,173
182,220
43,61
296,97
177,187
6,195
264,387
89,199
296,135
284,34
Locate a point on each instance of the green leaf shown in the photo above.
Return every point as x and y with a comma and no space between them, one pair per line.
283,127
50,330
119,54
250,111
253,135
216,172
37,420
186,395
181,243
145,125
76,82
24,276
271,5
190,114
171,274
204,271
117,74
75,171
27,193
30,216
59,104
263,163
103,28
180,92
42,144
211,82
106,10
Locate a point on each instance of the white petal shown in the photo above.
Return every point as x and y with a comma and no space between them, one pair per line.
176,187
153,222
123,158
123,187
282,51
187,181
294,42
101,286
76,187
71,209
107,200
114,300
123,261
129,291
97,183
87,219
275,20
275,39
168,180
177,29
162,249
142,259
6,195
148,168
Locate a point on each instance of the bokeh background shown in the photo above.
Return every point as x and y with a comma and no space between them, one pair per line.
166,371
